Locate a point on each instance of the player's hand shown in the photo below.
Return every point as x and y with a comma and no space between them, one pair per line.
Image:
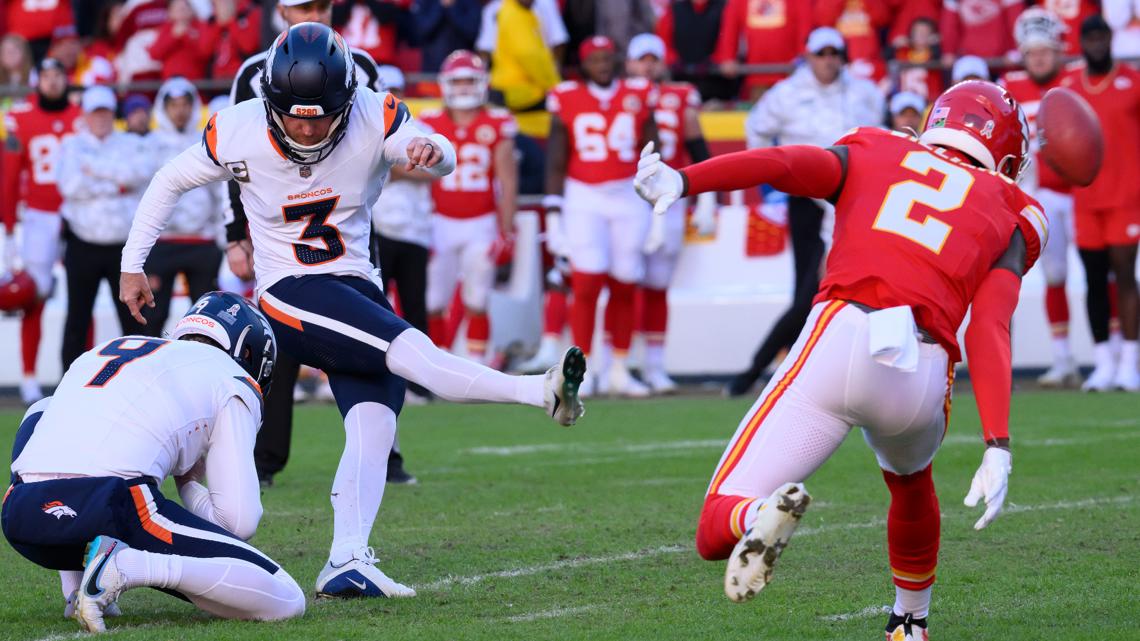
193,475
422,152
659,184
991,482
704,214
134,292
239,256
656,236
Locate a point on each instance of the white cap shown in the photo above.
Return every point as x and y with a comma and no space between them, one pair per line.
293,3
646,44
98,97
907,100
969,67
824,37
390,77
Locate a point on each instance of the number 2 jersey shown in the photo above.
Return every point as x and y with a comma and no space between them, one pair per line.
469,191
603,125
303,219
915,226
32,144
138,406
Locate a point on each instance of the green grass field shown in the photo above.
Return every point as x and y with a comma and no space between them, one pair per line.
522,530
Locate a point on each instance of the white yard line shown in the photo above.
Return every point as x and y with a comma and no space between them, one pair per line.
532,570
869,611
550,614
632,448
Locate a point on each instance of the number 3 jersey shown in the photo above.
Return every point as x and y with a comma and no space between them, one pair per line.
303,219
138,406
469,191
915,226
603,126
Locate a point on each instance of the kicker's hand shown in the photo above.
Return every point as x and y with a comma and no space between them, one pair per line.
659,184
134,292
239,256
991,482
422,152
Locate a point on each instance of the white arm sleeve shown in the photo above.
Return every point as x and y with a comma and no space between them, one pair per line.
396,148
233,500
189,169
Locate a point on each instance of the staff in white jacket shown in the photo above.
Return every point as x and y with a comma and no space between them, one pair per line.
816,105
100,171
189,244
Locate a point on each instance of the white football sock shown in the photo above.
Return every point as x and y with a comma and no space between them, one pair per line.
414,357
1129,355
1061,352
69,581
358,487
654,357
226,587
916,602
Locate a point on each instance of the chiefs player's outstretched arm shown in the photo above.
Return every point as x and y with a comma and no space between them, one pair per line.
799,170
987,340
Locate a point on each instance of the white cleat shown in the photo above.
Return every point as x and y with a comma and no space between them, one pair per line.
323,393
754,557
102,583
548,355
563,384
30,391
111,610
906,628
1127,379
1101,379
359,577
622,383
1060,375
659,382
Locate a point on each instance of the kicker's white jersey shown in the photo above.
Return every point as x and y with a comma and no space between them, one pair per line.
303,219
138,406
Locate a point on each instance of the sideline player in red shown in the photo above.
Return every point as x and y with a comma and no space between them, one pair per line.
36,130
596,127
679,128
468,239
879,350
1039,36
1108,211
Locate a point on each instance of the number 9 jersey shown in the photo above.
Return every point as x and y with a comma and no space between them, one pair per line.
916,226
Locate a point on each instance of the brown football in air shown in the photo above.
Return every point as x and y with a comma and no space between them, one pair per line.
1069,135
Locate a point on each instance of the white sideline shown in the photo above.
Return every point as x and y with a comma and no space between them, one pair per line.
550,614
450,581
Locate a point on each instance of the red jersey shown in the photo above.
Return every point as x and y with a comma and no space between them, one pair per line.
673,99
1073,13
469,191
603,126
915,226
1115,98
774,31
860,22
35,19
927,83
1029,94
32,144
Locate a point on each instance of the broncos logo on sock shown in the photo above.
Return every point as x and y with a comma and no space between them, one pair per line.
58,510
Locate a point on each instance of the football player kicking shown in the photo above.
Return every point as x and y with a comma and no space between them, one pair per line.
309,179
924,229
88,463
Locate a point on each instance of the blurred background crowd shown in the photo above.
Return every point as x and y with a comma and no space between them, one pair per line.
163,65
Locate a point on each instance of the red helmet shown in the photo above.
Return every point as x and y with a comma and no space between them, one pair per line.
17,291
981,120
463,65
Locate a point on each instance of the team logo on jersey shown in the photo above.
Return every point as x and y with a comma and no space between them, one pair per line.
987,131
58,510
485,134
239,170
631,103
670,101
57,126
938,117
1122,83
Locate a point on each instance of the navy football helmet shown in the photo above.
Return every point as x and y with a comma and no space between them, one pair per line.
236,326
309,73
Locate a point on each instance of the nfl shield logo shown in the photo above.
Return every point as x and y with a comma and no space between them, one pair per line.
305,171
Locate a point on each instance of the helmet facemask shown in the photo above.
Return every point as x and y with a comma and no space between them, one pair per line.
307,154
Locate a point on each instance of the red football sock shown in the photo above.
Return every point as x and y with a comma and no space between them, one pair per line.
31,327
655,315
620,322
478,332
587,288
554,313
721,525
91,334
1057,309
437,329
913,524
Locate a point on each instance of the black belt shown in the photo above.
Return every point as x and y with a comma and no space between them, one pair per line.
923,335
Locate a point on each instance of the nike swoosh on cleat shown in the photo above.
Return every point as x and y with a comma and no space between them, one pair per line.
557,404
360,586
98,571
